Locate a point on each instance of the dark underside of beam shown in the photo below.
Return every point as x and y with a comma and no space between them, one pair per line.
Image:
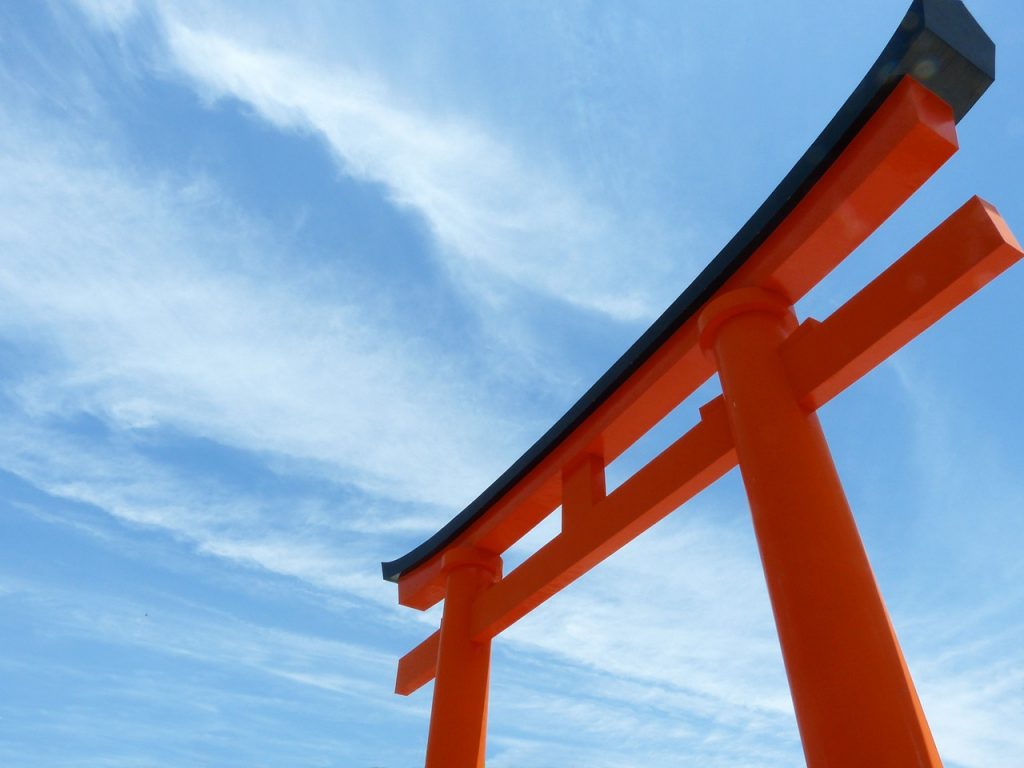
940,45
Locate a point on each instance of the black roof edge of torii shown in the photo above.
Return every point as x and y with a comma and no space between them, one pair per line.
940,45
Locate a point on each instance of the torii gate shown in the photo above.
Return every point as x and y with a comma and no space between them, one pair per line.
854,698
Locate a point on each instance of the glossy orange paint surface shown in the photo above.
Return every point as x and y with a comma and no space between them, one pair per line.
855,702
458,717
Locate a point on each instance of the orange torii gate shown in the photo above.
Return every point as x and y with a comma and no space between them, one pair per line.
854,699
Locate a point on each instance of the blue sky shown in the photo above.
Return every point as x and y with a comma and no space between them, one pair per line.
283,287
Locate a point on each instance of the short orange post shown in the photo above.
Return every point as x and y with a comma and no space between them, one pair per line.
854,699
458,717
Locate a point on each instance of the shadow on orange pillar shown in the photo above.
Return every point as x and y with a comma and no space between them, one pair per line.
854,699
458,715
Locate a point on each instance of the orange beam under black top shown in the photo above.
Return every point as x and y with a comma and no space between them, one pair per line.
856,173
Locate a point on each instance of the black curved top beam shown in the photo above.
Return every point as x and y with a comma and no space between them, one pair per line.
940,45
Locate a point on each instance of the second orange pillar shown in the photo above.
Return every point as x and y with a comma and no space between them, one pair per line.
854,699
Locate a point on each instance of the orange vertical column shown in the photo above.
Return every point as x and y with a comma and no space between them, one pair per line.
458,716
854,699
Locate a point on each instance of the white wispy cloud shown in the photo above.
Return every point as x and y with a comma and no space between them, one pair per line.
966,633
156,304
110,13
159,664
500,219
971,689
171,626
306,540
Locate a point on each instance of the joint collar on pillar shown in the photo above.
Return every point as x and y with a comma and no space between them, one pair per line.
471,557
737,302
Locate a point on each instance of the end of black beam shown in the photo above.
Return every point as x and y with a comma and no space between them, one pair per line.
940,45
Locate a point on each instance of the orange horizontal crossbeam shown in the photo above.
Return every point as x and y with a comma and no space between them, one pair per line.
418,666
955,260
906,140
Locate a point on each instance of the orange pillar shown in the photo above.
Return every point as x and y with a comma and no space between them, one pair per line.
854,699
458,716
